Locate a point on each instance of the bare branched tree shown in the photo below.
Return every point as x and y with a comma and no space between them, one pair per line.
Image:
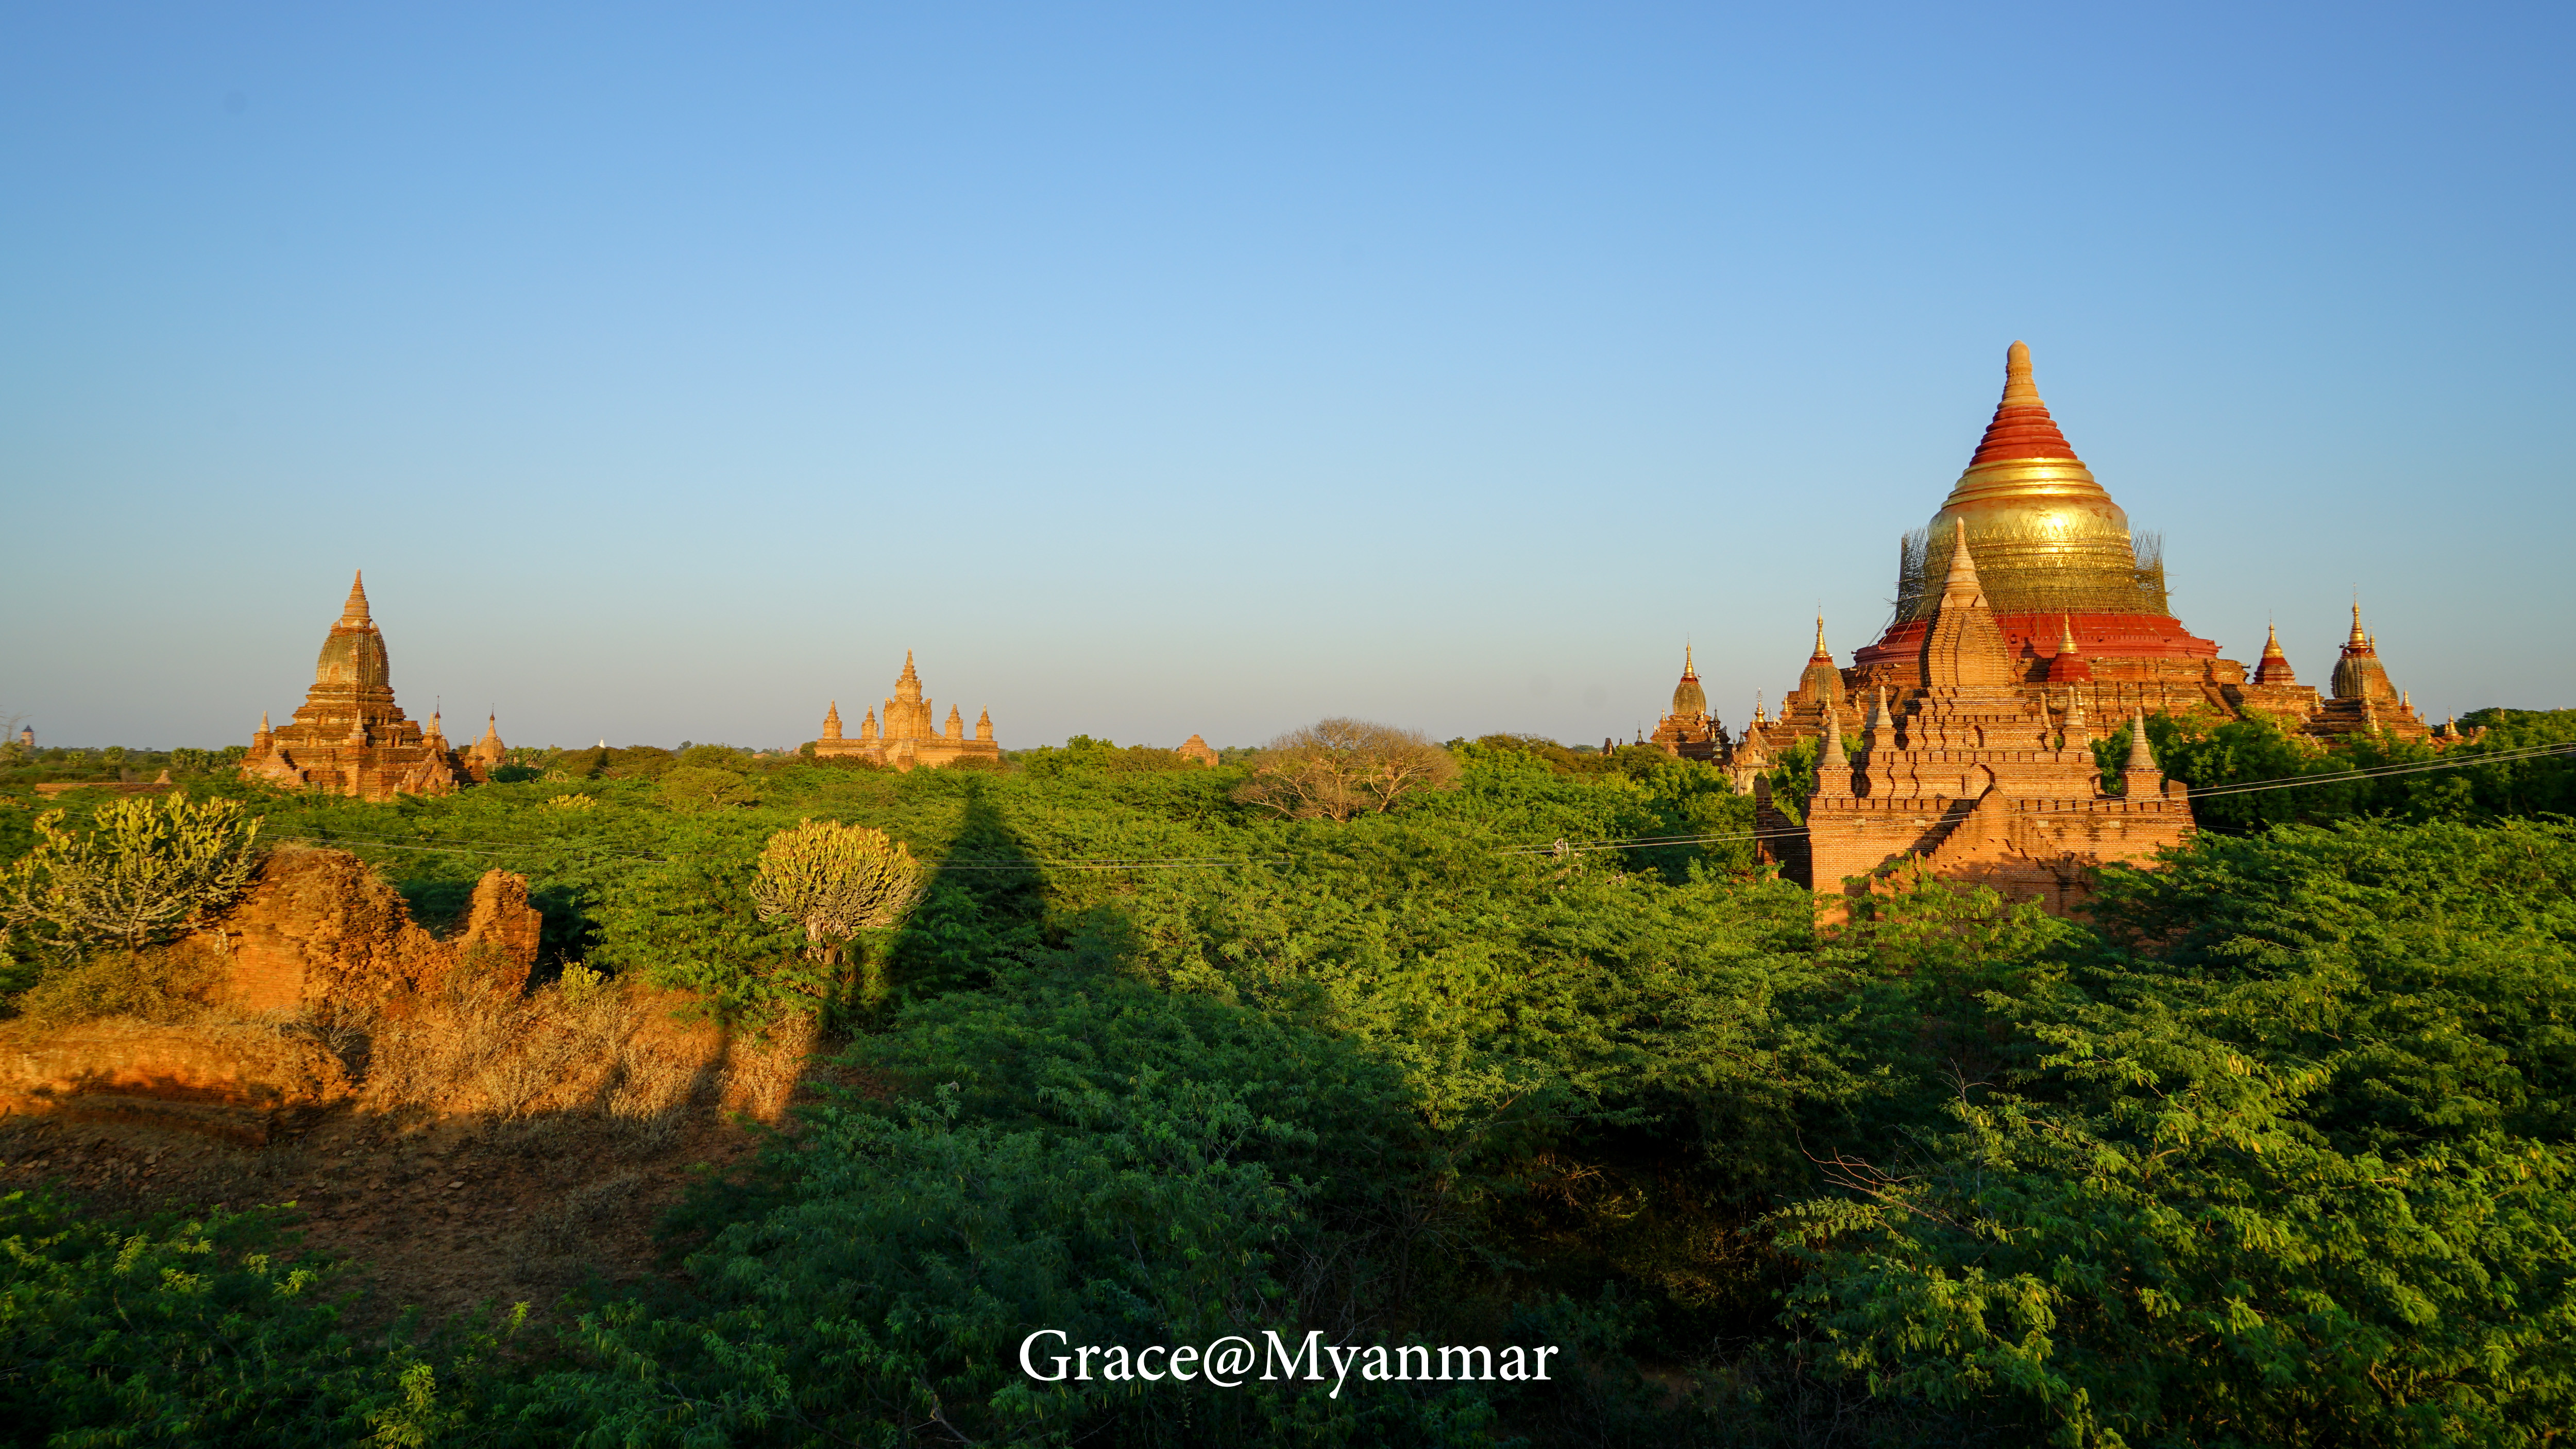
1338,768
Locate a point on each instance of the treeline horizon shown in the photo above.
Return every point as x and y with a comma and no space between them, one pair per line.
2274,1144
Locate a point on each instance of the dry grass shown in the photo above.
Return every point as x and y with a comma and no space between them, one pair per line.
584,1046
469,1145
158,984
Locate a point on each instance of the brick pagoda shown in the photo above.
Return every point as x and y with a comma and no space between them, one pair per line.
351,738
1689,731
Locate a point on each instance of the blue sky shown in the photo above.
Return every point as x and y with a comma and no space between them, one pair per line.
1158,370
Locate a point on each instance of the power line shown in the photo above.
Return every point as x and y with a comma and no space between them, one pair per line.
2417,767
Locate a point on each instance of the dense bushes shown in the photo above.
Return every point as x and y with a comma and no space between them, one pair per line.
1115,1163
2338,780
2274,1149
2285,1157
198,1331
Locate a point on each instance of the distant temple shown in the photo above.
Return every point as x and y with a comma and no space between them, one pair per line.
1689,731
908,738
350,737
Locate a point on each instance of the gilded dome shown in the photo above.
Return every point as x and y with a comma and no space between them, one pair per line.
1688,698
2358,674
353,653
2046,535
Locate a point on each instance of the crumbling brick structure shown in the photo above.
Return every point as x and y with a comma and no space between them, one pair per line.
319,941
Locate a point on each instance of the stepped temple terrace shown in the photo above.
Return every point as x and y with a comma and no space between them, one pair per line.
350,737
2028,620
907,738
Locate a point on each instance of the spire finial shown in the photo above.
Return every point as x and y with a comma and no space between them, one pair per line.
263,722
1833,754
2066,634
2019,387
2357,638
1686,658
1821,651
355,611
2141,757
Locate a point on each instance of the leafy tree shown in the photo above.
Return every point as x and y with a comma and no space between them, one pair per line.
694,787
2210,755
1793,777
639,762
2545,785
1107,1161
2289,1161
1082,752
2172,1260
714,757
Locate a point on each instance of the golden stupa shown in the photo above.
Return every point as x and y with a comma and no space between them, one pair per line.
2088,631
2047,537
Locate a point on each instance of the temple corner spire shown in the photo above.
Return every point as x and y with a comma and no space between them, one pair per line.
2142,755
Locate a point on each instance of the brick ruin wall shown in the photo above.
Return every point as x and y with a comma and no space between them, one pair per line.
318,936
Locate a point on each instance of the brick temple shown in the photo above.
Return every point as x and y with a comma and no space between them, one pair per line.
351,738
907,738
1964,770
1688,730
2081,605
2027,615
